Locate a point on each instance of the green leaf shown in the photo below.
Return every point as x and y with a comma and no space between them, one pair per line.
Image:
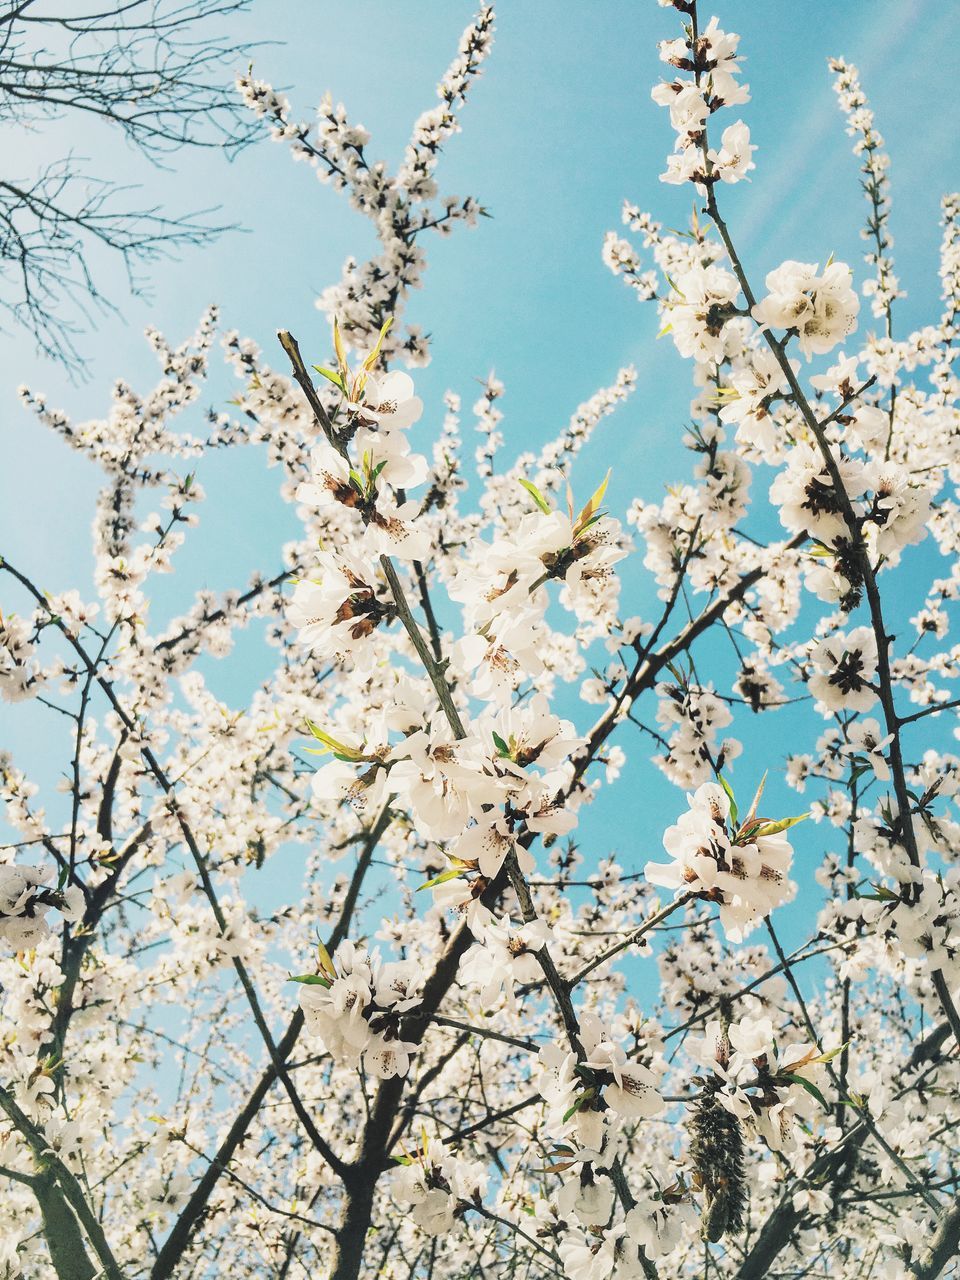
339,749
332,376
535,494
451,874
774,828
806,1084
751,812
310,979
589,512
371,359
734,811
338,347
326,964
582,528
881,895
572,1111
832,1053
501,746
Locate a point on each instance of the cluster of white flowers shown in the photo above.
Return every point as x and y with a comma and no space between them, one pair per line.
355,1006
704,302
842,501
432,1186
821,308
757,382
396,204
22,908
25,899
503,957
692,716
744,869
589,1092
770,1087
845,671
19,669
884,288
712,58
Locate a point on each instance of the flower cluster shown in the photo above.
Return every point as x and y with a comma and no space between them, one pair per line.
845,671
820,308
771,1089
356,1008
712,58
19,669
742,868
399,205
25,900
884,289
432,1185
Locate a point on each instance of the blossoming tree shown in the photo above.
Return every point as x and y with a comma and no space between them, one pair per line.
502,1054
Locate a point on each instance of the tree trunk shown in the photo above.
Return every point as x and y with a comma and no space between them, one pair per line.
62,1232
942,1248
352,1233
361,1182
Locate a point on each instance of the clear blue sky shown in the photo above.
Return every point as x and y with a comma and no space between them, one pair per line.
557,133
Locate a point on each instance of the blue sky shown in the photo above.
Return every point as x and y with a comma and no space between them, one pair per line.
556,134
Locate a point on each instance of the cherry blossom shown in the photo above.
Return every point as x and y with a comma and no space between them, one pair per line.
744,870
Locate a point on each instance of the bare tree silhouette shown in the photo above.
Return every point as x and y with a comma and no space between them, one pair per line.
161,73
